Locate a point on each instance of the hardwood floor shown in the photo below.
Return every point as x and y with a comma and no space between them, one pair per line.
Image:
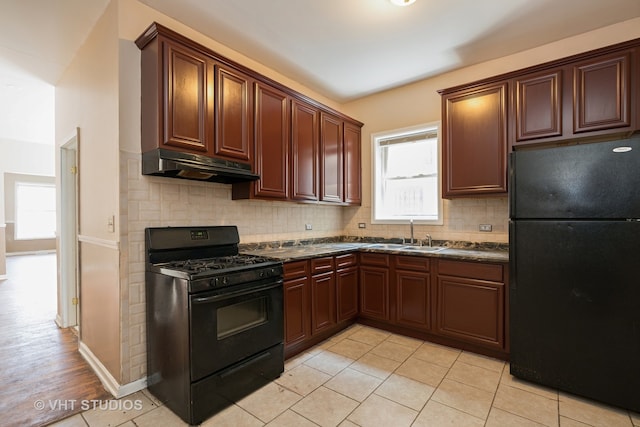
43,377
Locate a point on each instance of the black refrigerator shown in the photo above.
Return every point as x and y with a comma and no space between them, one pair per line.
574,246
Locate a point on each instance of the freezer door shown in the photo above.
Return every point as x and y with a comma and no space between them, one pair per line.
597,180
575,307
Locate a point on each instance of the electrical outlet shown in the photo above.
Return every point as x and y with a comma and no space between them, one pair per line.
362,225
485,227
308,227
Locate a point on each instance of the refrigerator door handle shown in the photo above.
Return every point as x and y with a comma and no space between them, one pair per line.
512,256
511,185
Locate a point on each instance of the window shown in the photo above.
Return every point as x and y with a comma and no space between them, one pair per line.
406,175
35,211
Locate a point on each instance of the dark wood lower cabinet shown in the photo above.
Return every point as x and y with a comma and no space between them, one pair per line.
297,300
347,293
413,299
471,302
374,292
323,302
462,304
318,300
471,310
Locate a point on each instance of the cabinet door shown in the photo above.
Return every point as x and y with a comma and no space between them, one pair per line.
331,166
297,321
347,293
374,292
187,122
233,114
413,295
271,142
538,101
352,167
471,310
323,302
304,151
475,141
602,97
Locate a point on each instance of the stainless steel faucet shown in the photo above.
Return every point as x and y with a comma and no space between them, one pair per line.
411,228
429,241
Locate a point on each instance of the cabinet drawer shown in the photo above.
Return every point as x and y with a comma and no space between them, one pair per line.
296,269
321,265
374,259
348,260
475,270
416,263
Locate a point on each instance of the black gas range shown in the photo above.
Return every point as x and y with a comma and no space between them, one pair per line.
214,319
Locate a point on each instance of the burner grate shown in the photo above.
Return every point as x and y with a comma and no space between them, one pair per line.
219,263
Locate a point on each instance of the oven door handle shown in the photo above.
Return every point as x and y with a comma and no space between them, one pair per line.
227,295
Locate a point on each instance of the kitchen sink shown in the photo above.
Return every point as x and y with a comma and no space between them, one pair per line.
423,248
401,247
392,246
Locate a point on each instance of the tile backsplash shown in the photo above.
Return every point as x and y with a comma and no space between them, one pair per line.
461,219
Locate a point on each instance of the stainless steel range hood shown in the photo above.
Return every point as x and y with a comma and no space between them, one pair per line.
176,164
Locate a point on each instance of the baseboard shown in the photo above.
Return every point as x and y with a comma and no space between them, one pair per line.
110,383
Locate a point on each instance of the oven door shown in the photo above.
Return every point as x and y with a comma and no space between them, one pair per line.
230,325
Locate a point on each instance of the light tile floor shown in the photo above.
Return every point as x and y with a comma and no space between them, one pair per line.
369,377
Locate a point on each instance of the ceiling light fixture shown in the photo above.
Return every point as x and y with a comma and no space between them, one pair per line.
402,2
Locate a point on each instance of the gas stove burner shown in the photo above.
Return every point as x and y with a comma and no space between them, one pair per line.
200,265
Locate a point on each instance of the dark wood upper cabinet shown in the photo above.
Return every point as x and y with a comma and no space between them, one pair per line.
271,142
352,164
331,158
234,111
197,101
538,102
602,98
475,141
177,111
305,135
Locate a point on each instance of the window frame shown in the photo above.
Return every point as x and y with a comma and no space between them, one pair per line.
375,170
16,219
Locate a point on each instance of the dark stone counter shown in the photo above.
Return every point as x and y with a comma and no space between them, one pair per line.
300,250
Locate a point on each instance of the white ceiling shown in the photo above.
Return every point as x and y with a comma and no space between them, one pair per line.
343,49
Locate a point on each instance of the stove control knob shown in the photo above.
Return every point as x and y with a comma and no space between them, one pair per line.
214,282
225,281
262,274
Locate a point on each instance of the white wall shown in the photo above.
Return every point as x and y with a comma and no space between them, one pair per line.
87,98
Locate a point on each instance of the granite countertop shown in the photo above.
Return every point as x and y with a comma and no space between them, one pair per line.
295,251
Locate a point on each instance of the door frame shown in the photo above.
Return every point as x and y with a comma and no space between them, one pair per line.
68,253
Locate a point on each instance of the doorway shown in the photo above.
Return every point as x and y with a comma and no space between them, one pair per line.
68,285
